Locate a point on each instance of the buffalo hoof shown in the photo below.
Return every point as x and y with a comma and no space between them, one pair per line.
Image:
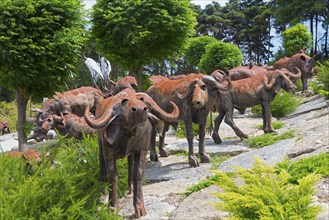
270,131
216,138
164,152
205,158
154,156
193,161
139,211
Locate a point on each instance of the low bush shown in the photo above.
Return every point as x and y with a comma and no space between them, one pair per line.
283,104
268,139
321,84
64,186
267,194
275,125
316,164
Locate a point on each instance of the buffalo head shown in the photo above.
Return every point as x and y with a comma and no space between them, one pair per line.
133,109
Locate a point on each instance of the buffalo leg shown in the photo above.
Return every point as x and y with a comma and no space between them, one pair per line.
192,160
103,172
130,172
202,132
153,153
113,176
230,122
162,151
305,84
267,117
138,173
218,120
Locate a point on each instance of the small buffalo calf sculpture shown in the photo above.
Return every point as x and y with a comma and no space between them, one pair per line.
124,124
4,127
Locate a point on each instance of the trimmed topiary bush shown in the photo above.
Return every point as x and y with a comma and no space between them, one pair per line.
196,48
220,55
267,194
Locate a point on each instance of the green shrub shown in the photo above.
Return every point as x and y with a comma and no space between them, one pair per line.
65,186
275,125
181,132
321,84
220,55
268,139
283,104
267,194
317,164
8,111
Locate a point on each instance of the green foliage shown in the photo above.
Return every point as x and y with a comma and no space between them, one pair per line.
283,104
196,48
146,82
220,55
321,84
267,194
181,132
64,186
268,139
135,33
296,38
275,125
8,111
317,164
40,42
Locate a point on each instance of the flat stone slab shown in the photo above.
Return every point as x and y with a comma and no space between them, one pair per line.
270,155
228,147
197,206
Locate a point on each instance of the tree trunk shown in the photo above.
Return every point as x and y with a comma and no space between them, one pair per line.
311,28
326,42
316,35
138,75
21,101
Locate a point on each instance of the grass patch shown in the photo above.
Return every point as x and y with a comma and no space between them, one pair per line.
276,125
283,104
64,186
268,139
215,162
321,84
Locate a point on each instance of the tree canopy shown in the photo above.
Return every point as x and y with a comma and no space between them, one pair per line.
296,38
134,33
40,41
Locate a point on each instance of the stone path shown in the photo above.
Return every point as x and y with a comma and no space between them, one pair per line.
167,180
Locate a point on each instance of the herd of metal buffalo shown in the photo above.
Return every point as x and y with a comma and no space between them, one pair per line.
127,121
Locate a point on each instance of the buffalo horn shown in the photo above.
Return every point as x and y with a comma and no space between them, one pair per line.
167,117
105,119
293,76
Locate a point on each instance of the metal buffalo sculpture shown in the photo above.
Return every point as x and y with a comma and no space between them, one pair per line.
124,125
74,101
302,62
241,72
4,127
70,125
195,95
259,89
